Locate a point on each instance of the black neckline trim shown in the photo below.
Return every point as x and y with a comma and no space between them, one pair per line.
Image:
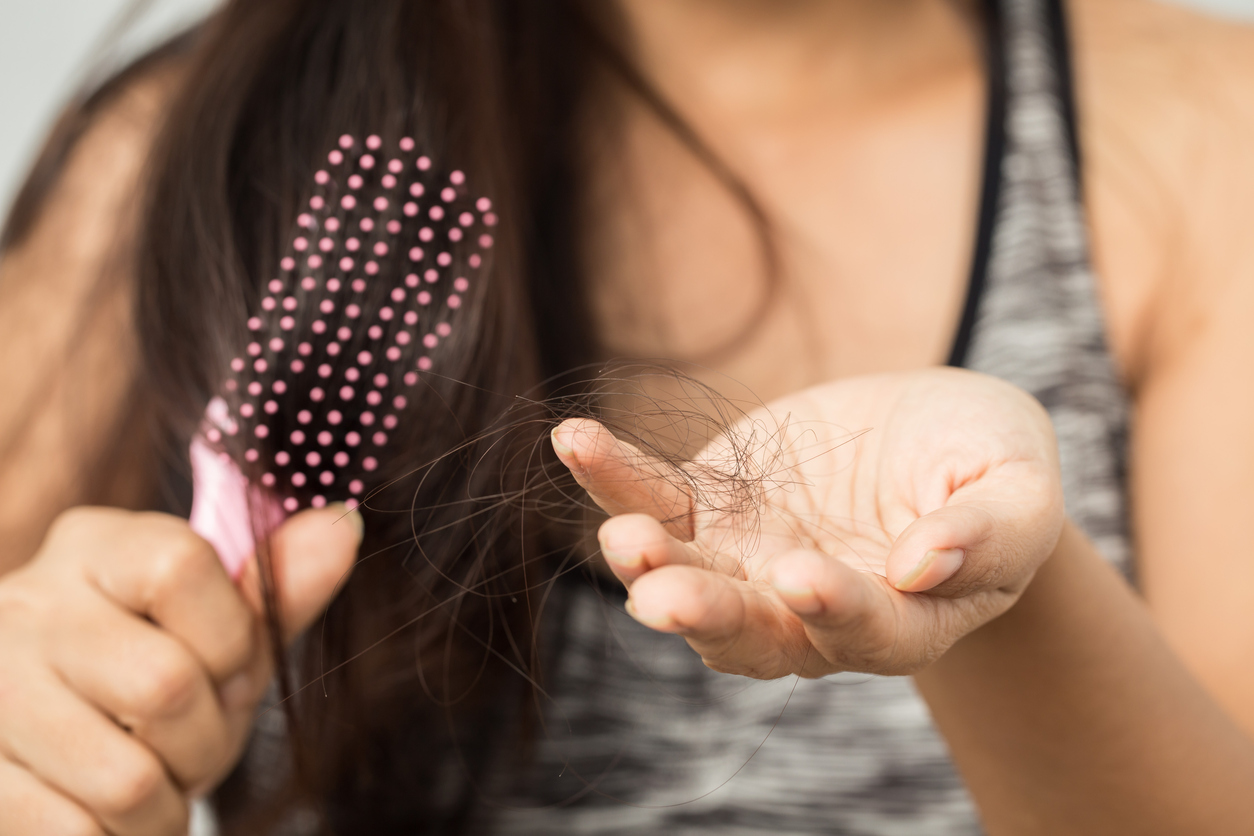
990,189
1060,47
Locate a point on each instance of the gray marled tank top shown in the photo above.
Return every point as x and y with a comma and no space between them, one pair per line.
641,738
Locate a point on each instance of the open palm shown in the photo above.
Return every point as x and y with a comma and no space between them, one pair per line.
865,524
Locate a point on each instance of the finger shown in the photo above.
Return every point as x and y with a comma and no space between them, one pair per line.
620,478
29,807
633,544
850,617
735,626
166,572
152,685
311,555
82,754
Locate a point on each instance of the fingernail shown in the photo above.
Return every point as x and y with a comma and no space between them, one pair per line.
936,566
353,517
237,692
653,622
558,444
626,561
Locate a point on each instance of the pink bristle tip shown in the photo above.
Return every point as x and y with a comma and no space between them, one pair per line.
388,181
298,479
326,306
490,220
364,358
325,244
355,181
374,398
395,166
317,202
332,224
313,458
260,365
214,435
394,227
324,370
410,281
254,388
474,260
430,341
380,203
251,455
304,349
393,354
465,219
237,364
348,202
261,431
282,458
460,284
375,332
416,190
432,275
304,416
485,241
352,375
276,344
316,394
246,410
297,437
326,478
424,363
448,194
444,259
403,337
333,285
425,234
346,393
231,385
271,407
318,327
397,295
287,263
369,463
279,387
346,264
321,177
367,224
352,311
290,504
351,503
254,323
352,245
359,285
386,314
399,401
304,219
352,439
334,158
297,367
372,268
275,286
315,261
423,163
454,301
346,141
444,329
454,235
436,213
344,334
341,459
424,298
366,161
267,479
289,303
381,248
411,378
367,418
373,142
389,422
325,438
319,501
380,380
308,283
406,144
380,439
334,417
333,349
483,204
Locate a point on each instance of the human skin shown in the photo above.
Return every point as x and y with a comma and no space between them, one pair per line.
864,118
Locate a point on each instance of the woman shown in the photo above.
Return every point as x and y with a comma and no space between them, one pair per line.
819,169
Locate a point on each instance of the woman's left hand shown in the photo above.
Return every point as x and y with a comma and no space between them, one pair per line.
884,518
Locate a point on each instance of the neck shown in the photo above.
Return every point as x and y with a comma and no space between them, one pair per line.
753,53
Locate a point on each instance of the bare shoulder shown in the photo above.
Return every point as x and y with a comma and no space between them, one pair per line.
1167,107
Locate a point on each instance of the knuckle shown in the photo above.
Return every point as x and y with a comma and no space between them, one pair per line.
180,557
131,784
165,686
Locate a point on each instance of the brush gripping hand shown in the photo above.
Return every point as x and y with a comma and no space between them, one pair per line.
883,518
131,664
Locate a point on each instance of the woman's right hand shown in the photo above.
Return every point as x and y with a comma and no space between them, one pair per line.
131,666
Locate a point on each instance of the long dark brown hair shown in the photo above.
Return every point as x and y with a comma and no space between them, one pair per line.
454,569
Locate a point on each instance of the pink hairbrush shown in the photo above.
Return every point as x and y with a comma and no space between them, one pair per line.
332,361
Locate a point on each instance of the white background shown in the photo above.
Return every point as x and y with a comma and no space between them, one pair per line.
48,46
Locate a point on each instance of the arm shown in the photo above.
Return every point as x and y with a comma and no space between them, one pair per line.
1070,714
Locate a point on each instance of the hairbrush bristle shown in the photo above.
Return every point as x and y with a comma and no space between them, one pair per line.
330,369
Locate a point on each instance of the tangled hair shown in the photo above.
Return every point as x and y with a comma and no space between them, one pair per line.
426,673
468,519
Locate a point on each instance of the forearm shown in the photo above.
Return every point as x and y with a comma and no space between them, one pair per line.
1069,714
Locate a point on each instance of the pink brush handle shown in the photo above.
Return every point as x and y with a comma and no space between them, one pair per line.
223,504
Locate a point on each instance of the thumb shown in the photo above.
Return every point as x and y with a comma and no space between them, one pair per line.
311,555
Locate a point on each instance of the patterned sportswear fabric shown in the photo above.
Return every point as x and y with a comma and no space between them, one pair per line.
641,738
